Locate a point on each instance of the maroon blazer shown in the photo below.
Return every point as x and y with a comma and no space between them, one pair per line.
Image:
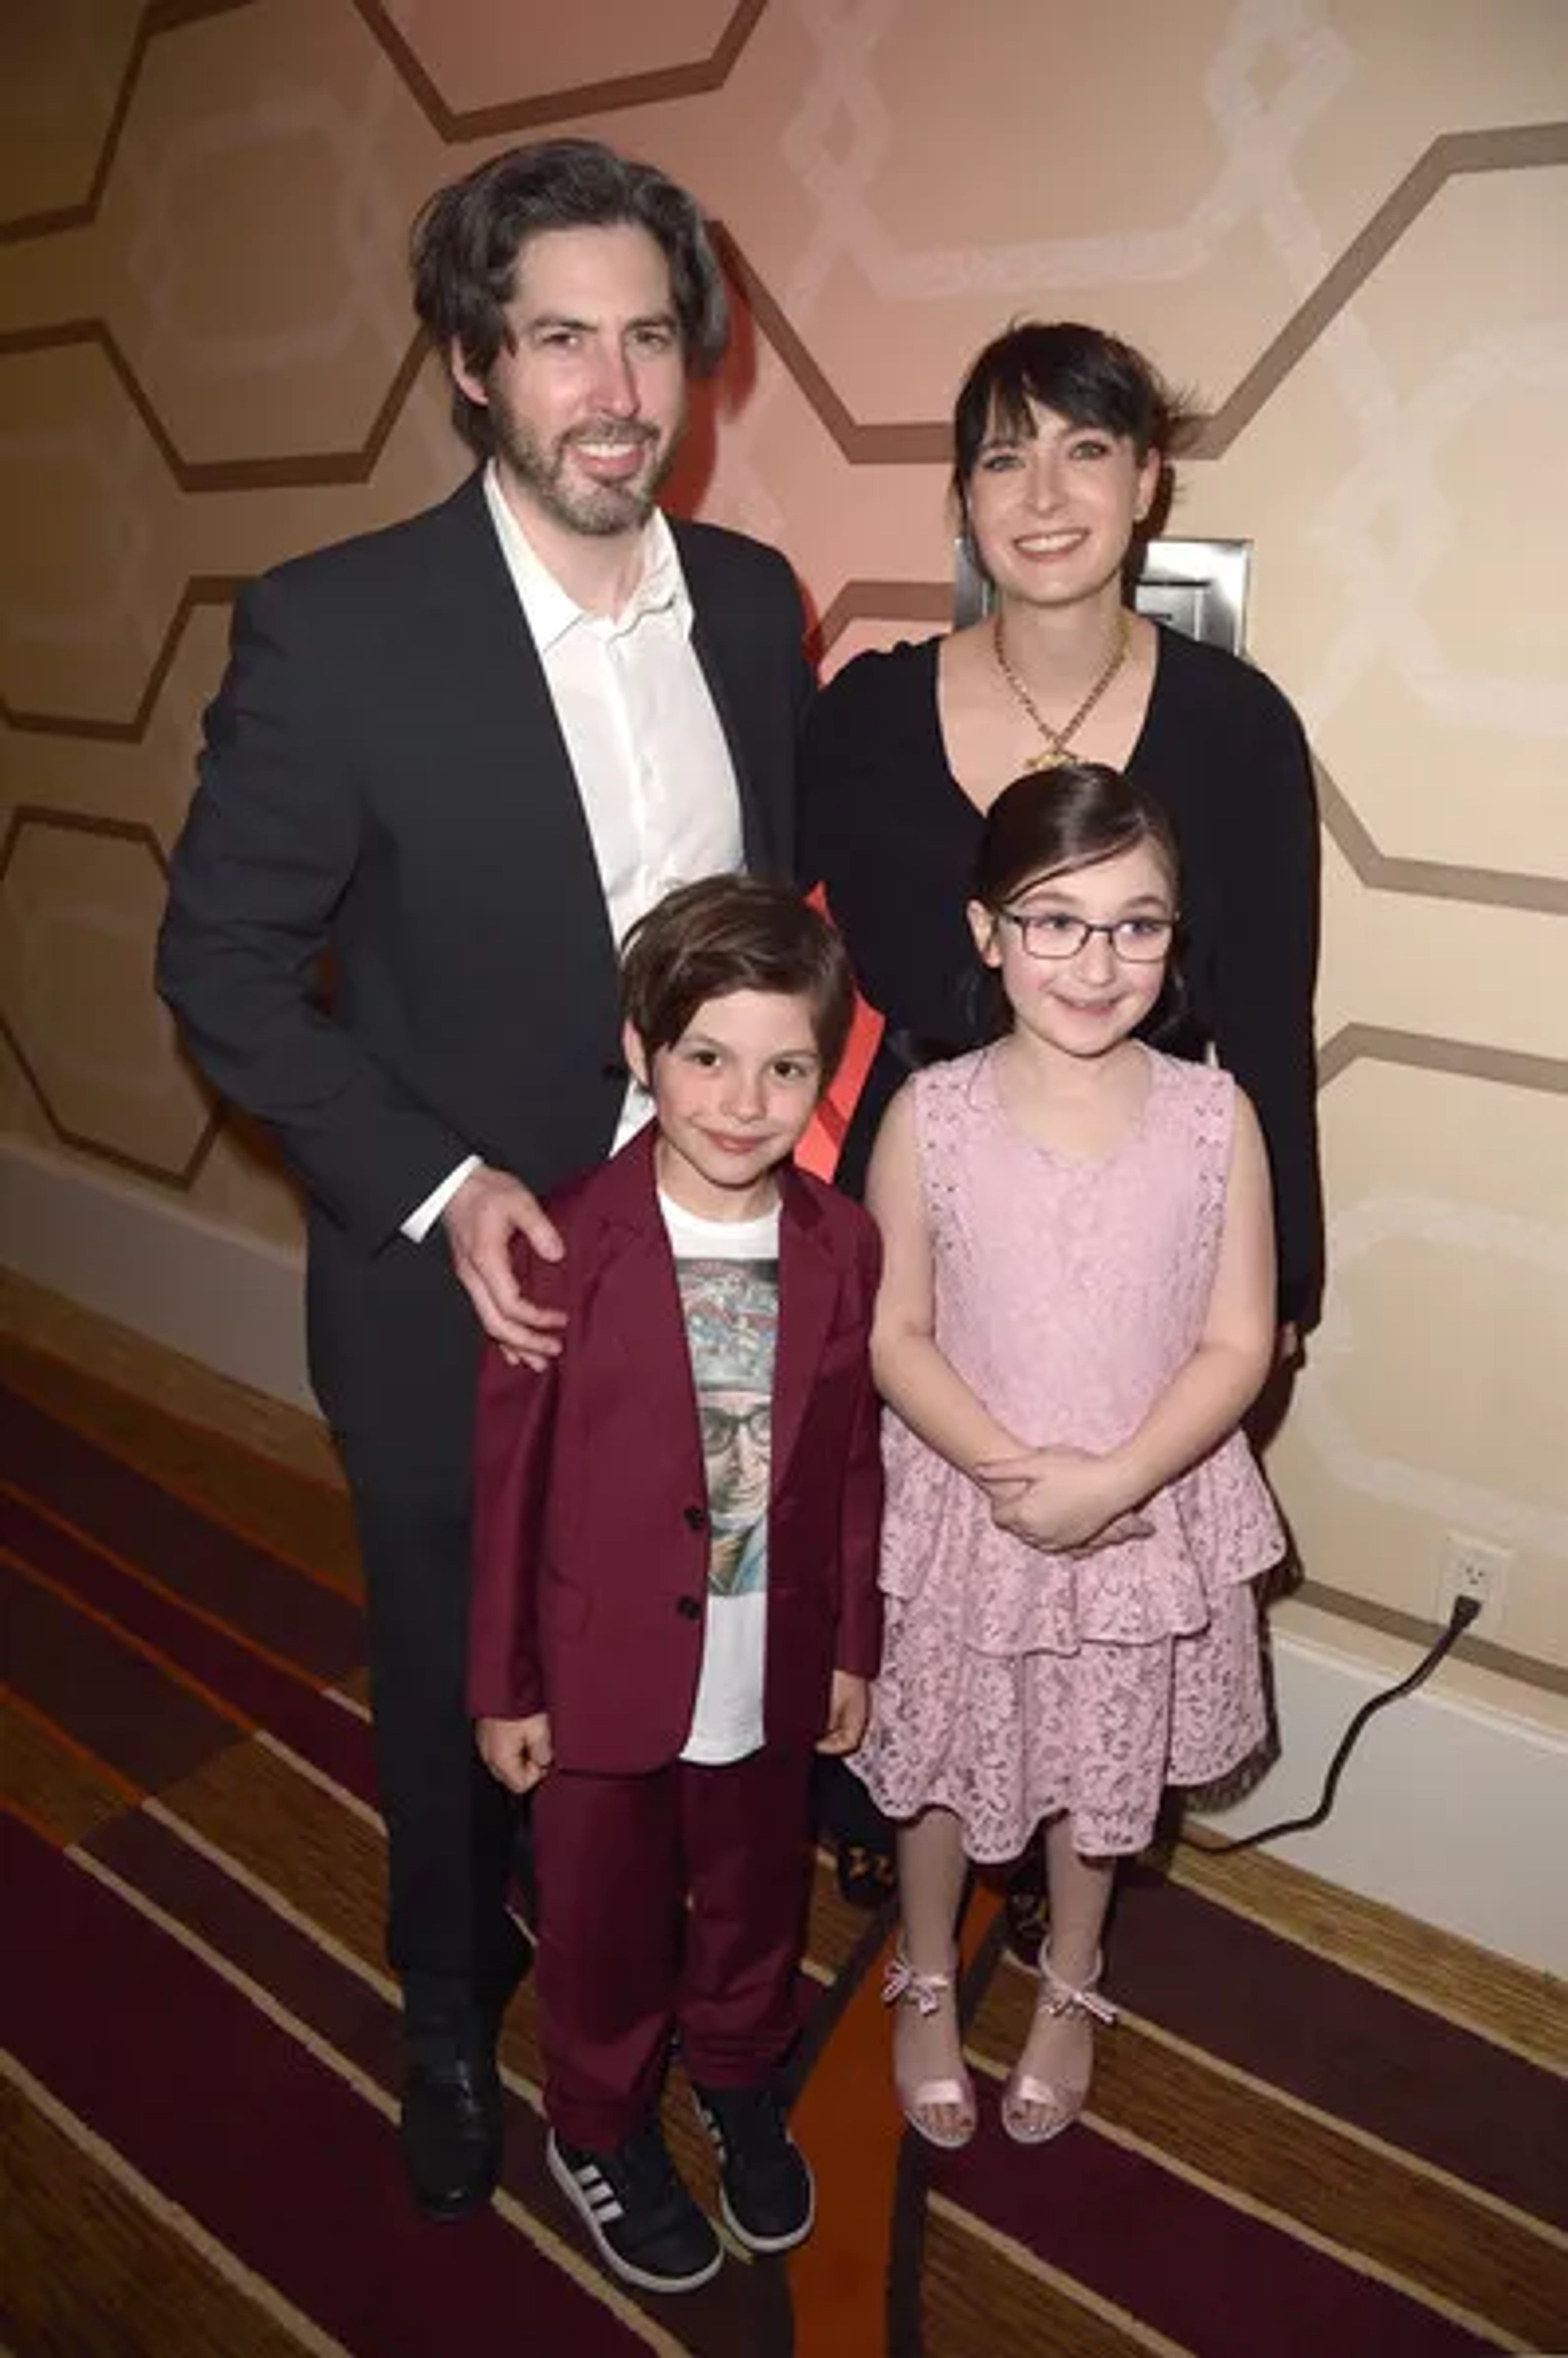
590,1520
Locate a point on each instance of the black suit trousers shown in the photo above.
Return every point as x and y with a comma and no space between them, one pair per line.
402,1413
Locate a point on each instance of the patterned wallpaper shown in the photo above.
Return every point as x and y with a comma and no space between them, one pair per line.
1342,220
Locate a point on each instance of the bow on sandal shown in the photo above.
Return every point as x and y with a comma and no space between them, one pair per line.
1061,2101
926,1993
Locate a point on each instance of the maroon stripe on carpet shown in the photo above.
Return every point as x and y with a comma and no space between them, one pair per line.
129,1513
266,2146
1325,2033
336,1741
124,1709
1211,2276
332,2000
745,2309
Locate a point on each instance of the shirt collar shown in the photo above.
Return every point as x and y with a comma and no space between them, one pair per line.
550,612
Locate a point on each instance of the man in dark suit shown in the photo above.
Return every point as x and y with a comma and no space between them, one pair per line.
450,763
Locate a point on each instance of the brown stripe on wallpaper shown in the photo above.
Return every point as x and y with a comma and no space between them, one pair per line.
656,86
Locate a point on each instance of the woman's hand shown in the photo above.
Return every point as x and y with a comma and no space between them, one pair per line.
846,1707
516,1751
1059,1498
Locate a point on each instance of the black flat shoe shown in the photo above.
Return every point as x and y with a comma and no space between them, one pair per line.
1028,1909
867,1875
451,2132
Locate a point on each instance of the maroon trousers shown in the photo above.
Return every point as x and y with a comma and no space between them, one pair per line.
624,1960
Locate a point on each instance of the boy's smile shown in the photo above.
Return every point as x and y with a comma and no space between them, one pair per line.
733,1099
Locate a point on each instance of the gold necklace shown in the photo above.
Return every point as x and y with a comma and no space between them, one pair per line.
1058,741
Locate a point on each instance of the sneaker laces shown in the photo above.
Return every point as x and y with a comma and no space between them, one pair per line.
640,2172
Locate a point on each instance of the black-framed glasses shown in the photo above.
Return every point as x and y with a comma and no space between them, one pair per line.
1055,934
721,1426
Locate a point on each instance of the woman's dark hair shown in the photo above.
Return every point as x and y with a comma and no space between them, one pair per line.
1055,823
727,933
468,237
1085,375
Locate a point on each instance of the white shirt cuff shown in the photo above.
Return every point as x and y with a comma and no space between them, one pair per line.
424,1216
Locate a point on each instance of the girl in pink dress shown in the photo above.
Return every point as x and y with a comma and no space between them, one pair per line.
1077,1308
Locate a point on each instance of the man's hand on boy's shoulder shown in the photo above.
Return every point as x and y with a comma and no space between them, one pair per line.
848,1704
489,1209
516,1751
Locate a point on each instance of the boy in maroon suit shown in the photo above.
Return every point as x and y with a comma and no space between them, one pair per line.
675,1596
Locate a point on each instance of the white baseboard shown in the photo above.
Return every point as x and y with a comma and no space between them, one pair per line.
1448,1810
149,1262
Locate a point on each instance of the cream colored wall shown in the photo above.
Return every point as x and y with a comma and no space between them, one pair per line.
1342,220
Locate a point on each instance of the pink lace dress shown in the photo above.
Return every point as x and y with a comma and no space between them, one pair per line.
1017,1683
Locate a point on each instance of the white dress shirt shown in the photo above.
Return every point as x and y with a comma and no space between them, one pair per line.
648,752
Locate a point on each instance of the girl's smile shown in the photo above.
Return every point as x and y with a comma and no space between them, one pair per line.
1081,956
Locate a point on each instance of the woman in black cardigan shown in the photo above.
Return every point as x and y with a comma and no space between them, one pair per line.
1062,442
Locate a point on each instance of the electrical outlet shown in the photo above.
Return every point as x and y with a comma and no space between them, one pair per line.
1477,1569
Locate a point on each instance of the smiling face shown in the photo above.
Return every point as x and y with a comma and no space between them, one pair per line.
588,401
732,1098
1053,510
1083,1004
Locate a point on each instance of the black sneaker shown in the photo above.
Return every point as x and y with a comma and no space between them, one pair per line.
764,2184
642,2220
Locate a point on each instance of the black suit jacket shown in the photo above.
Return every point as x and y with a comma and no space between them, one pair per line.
384,782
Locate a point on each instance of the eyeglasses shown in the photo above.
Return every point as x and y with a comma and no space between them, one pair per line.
722,1427
1053,933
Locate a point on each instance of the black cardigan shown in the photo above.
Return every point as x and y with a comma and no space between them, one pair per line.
893,837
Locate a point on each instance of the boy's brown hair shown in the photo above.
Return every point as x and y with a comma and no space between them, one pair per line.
735,932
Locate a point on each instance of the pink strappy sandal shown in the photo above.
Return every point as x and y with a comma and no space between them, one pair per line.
1061,2104
926,1993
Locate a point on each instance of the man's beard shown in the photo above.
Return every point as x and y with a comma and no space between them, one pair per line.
598,511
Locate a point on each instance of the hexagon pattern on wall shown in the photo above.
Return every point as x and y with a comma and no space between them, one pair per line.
80,909
218,361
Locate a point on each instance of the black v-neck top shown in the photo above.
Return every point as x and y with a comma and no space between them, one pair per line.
892,836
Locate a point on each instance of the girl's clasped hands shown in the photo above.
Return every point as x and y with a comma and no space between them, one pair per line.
1061,1500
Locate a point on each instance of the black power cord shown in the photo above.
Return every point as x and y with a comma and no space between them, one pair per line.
1466,1610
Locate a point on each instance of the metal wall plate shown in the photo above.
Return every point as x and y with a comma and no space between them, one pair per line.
1198,587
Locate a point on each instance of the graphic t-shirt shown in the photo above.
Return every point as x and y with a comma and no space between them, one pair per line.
729,1276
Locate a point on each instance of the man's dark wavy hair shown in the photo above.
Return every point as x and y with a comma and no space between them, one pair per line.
467,239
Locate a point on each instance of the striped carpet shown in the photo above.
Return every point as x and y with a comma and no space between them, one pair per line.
1317,2129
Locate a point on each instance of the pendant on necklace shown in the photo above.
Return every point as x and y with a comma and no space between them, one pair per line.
1057,751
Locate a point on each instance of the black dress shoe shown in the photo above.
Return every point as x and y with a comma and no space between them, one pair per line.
452,2107
451,2134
